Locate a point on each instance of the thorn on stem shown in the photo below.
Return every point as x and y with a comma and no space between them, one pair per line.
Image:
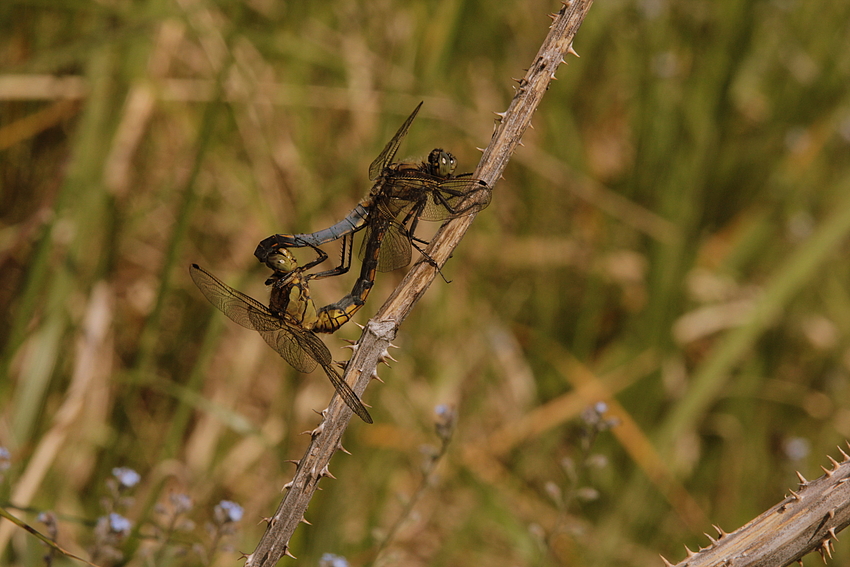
832,533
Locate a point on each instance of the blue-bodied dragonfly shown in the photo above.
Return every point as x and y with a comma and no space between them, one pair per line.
402,194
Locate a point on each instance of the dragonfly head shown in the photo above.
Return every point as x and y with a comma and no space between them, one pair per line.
441,163
281,260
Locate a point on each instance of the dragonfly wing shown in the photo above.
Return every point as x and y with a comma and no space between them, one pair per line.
311,345
289,345
347,394
394,251
388,153
240,308
456,197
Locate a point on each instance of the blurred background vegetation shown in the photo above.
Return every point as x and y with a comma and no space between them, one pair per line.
672,240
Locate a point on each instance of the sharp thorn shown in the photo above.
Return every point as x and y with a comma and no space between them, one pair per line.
832,533
295,462
795,495
386,354
843,454
350,341
305,521
343,449
690,553
826,470
664,559
288,553
711,539
376,377
288,485
552,16
326,472
835,464
572,51
352,346
803,481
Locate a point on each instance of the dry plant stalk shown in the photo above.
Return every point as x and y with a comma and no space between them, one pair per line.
380,331
806,520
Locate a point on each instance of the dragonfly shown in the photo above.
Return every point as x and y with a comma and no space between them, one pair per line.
402,194
290,322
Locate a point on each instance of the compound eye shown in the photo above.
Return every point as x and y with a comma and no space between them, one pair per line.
281,260
446,164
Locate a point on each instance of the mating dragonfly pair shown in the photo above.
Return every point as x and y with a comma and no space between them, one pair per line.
402,194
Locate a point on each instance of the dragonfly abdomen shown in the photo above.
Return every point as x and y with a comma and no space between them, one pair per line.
354,221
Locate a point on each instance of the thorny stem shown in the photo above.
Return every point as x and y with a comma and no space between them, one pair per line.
373,344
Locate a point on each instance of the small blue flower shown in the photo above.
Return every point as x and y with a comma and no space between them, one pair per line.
119,524
127,477
227,511
182,502
331,560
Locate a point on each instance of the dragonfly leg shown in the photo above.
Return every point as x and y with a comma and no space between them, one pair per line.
345,260
428,258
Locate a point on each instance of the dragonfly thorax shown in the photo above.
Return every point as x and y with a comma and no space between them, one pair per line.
441,163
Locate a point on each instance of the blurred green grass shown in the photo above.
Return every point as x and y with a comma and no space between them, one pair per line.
672,238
